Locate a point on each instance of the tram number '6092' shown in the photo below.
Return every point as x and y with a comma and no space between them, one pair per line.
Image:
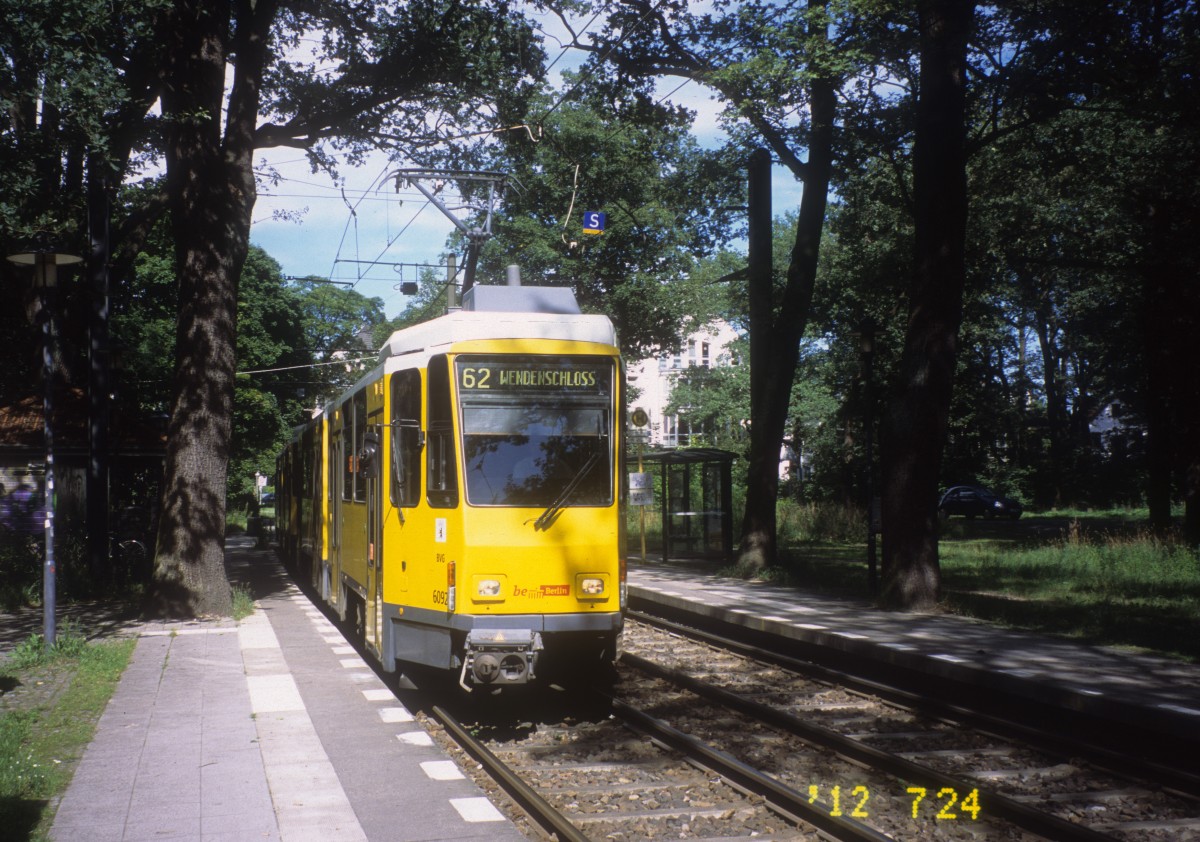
439,597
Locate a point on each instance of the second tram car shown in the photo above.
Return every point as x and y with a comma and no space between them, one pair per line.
462,504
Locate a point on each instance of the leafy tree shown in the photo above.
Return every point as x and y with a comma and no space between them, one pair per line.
777,70
915,429
271,343
343,331
602,149
271,354
231,78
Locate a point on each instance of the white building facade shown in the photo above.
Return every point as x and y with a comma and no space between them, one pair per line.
654,378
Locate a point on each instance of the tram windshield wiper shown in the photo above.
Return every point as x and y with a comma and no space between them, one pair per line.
547,517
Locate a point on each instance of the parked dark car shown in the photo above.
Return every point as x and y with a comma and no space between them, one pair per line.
972,501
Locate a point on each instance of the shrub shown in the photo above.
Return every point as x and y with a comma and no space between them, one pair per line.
801,523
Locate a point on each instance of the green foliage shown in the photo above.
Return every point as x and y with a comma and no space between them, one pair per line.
1124,587
1096,576
338,323
287,331
40,741
662,196
22,568
69,642
820,523
243,602
60,82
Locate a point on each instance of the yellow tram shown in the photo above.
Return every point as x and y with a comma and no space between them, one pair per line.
462,504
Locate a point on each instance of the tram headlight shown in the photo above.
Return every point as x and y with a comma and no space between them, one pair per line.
485,588
591,586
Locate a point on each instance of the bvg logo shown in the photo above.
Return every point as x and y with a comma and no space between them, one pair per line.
541,591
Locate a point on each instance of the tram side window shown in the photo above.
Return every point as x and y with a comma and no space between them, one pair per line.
406,438
360,438
354,430
346,439
442,475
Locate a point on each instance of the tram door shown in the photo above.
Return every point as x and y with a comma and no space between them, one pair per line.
330,581
371,460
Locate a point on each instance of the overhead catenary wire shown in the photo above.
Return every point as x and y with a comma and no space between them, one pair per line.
354,199
346,361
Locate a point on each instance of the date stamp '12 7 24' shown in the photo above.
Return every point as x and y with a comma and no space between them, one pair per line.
947,804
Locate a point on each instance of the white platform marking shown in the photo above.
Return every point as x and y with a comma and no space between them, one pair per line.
415,738
476,810
273,693
441,770
395,714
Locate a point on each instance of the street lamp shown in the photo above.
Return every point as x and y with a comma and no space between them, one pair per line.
866,344
45,263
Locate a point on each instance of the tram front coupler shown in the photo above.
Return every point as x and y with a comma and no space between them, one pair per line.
499,657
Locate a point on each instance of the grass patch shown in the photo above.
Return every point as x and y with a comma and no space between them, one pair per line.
1120,589
243,602
1099,577
42,738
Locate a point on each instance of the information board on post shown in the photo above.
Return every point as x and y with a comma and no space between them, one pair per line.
641,489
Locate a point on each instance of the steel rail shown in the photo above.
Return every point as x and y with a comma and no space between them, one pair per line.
1031,819
1117,764
781,798
541,811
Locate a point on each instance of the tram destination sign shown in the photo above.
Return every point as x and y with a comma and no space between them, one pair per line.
526,375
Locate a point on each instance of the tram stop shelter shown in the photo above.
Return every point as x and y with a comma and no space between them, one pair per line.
693,501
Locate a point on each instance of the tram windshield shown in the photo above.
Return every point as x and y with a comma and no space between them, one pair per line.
536,429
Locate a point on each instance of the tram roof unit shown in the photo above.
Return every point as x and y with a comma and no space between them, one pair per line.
512,312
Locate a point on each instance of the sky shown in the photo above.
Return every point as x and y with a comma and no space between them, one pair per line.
364,233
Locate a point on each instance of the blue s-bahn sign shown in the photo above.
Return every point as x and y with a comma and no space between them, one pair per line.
593,222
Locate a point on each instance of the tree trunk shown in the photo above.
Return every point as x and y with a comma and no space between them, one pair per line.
916,424
757,547
1056,405
779,338
211,188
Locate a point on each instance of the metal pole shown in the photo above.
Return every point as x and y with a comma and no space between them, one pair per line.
45,270
45,265
642,509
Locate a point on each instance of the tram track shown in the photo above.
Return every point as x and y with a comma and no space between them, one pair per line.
1024,780
1018,724
653,780
702,743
